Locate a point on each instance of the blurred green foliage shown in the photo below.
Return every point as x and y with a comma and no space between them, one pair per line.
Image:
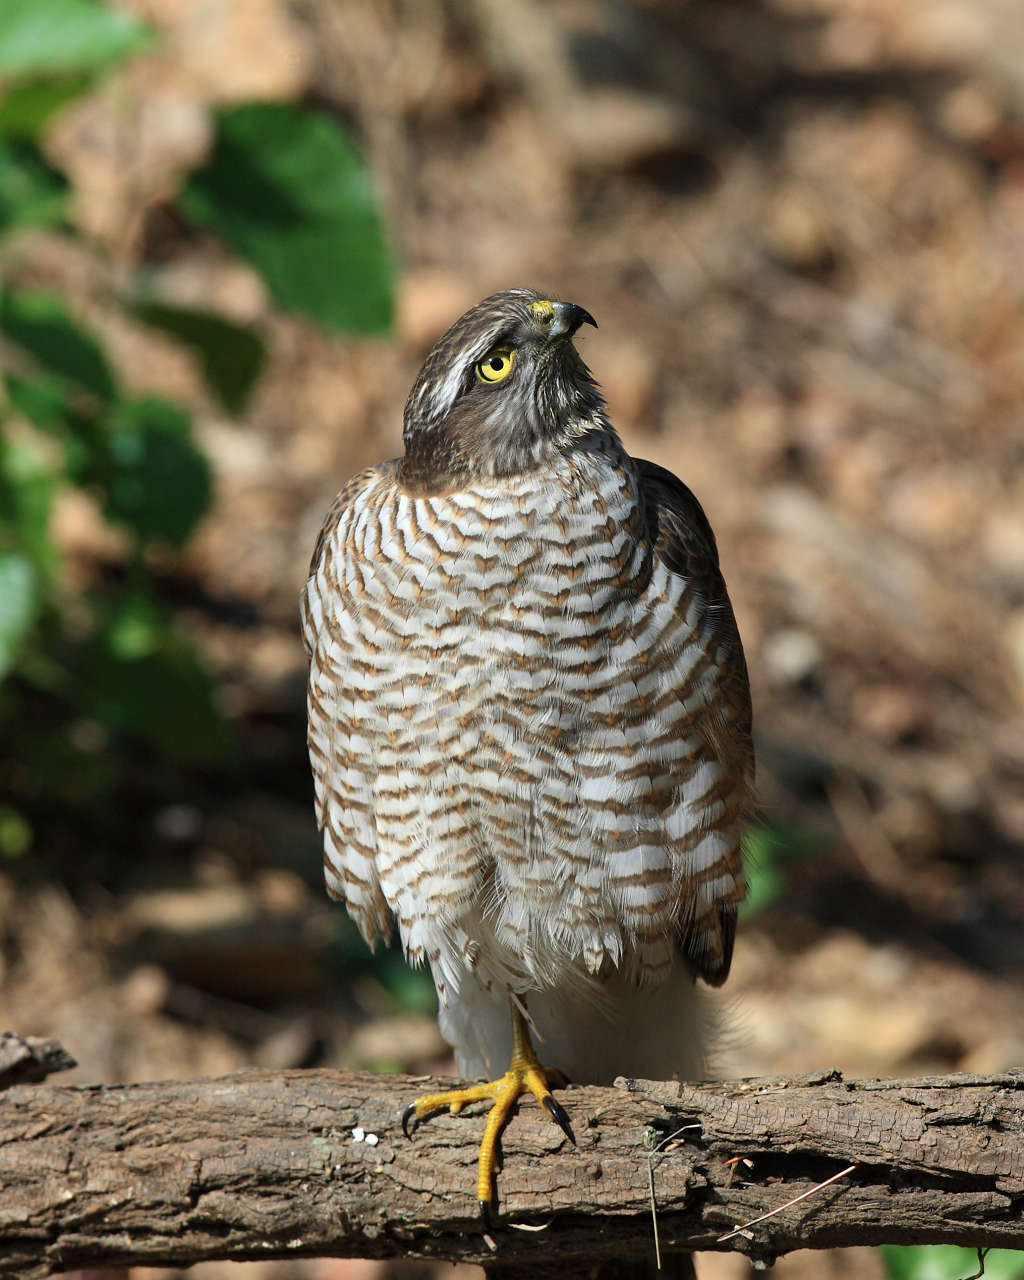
231,355
348,957
31,193
950,1262
767,851
89,674
288,191
43,40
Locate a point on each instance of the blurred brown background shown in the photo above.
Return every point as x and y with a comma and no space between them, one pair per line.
800,224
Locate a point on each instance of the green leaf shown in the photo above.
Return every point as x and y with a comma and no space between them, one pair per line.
135,628
18,605
386,1066
31,193
40,325
231,355
47,36
143,678
412,989
765,851
15,833
288,191
26,493
154,478
949,1262
41,400
26,108
86,456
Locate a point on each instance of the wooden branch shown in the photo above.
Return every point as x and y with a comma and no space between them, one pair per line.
28,1059
262,1164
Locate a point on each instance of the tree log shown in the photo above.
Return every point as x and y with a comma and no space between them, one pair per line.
307,1163
29,1059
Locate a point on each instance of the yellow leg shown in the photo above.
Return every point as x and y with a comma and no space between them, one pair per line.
524,1075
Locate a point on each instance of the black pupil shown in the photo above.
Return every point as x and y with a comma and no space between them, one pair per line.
496,362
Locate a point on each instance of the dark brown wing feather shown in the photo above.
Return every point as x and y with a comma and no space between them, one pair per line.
684,542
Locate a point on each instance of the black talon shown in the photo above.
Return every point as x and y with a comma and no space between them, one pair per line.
409,1114
487,1215
560,1116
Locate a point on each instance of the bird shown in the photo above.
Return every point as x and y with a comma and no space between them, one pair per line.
529,723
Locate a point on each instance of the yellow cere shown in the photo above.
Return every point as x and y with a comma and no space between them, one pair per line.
496,365
543,310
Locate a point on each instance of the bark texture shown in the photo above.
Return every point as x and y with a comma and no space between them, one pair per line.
29,1059
264,1164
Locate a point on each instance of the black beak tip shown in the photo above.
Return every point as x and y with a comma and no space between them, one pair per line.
581,316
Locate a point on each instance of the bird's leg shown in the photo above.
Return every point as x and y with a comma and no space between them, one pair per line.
524,1075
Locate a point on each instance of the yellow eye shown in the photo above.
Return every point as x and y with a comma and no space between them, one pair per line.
496,365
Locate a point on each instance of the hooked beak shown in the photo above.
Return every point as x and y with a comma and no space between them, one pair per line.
568,318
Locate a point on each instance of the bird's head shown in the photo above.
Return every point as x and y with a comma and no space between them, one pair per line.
503,386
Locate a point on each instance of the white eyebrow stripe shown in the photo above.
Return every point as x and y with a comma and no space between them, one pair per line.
434,402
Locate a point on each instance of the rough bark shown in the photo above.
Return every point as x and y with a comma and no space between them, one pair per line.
263,1164
29,1059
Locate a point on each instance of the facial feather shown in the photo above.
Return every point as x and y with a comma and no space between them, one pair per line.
457,425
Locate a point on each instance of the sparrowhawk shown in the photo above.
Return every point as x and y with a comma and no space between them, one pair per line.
529,720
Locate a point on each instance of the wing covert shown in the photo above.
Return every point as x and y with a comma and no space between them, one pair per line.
685,544
343,771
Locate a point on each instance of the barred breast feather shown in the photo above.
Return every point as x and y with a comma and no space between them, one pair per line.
530,726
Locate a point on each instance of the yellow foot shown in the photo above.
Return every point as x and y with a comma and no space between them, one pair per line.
524,1075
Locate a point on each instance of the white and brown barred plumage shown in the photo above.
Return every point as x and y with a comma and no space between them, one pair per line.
529,719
